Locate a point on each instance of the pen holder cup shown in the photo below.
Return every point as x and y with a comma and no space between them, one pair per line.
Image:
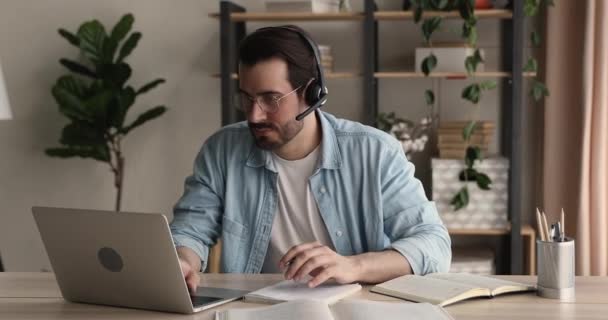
555,269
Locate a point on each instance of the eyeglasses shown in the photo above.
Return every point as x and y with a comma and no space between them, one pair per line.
269,102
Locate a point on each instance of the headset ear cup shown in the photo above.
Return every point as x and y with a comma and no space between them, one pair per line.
313,93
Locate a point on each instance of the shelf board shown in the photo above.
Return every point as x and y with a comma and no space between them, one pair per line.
411,74
406,15
358,16
292,16
526,230
330,75
455,75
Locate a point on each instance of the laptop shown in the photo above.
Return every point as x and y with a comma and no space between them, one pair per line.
120,259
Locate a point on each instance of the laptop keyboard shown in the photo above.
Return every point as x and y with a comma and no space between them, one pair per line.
198,301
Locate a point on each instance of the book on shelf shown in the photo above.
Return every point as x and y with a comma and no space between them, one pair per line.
344,310
446,288
289,290
461,124
314,6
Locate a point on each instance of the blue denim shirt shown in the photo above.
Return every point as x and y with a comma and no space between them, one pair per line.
364,187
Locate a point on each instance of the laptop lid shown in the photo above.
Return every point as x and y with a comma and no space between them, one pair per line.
117,258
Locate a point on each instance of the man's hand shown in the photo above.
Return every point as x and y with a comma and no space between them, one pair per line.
321,263
190,274
190,264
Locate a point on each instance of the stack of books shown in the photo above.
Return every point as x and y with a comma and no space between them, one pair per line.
451,142
327,59
315,6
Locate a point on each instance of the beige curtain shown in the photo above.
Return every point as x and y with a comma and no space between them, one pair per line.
575,155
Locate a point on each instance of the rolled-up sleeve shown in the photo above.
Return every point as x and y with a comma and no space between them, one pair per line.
197,214
411,221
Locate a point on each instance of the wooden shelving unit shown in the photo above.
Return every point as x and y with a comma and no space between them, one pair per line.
232,20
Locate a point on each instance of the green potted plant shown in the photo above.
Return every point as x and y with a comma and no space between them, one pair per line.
474,91
95,96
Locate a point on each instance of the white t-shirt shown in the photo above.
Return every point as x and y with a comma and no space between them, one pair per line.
297,219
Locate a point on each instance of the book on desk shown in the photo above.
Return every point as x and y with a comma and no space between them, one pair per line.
446,288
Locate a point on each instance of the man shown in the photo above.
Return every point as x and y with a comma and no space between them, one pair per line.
319,197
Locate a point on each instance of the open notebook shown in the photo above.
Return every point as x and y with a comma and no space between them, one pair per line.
343,310
292,290
446,288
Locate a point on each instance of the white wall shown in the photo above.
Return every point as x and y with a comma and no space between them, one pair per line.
180,43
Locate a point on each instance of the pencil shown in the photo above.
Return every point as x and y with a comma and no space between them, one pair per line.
539,224
561,220
546,226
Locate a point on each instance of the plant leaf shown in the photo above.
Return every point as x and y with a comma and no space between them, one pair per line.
150,85
468,130
73,85
428,64
429,26
120,106
144,117
483,181
429,96
109,50
461,199
69,104
116,75
122,28
531,65
417,14
99,152
70,37
472,93
488,85
77,68
472,153
468,174
539,90
81,134
531,7
128,46
92,36
535,38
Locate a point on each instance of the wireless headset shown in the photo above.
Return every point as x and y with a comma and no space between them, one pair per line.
316,91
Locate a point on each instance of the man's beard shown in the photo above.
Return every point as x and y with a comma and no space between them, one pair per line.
285,134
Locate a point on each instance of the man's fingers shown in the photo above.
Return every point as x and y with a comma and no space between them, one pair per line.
192,281
319,261
303,257
295,250
325,275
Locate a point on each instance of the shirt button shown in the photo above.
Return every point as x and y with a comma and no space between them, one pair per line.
323,190
339,233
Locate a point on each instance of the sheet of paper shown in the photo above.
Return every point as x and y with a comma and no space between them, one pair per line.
291,290
302,309
364,310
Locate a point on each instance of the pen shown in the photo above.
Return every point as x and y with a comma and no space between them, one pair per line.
563,226
539,224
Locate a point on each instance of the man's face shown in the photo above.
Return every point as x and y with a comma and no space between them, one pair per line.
267,81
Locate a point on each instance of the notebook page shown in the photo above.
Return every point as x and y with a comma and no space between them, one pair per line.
478,281
423,289
365,310
288,290
302,309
